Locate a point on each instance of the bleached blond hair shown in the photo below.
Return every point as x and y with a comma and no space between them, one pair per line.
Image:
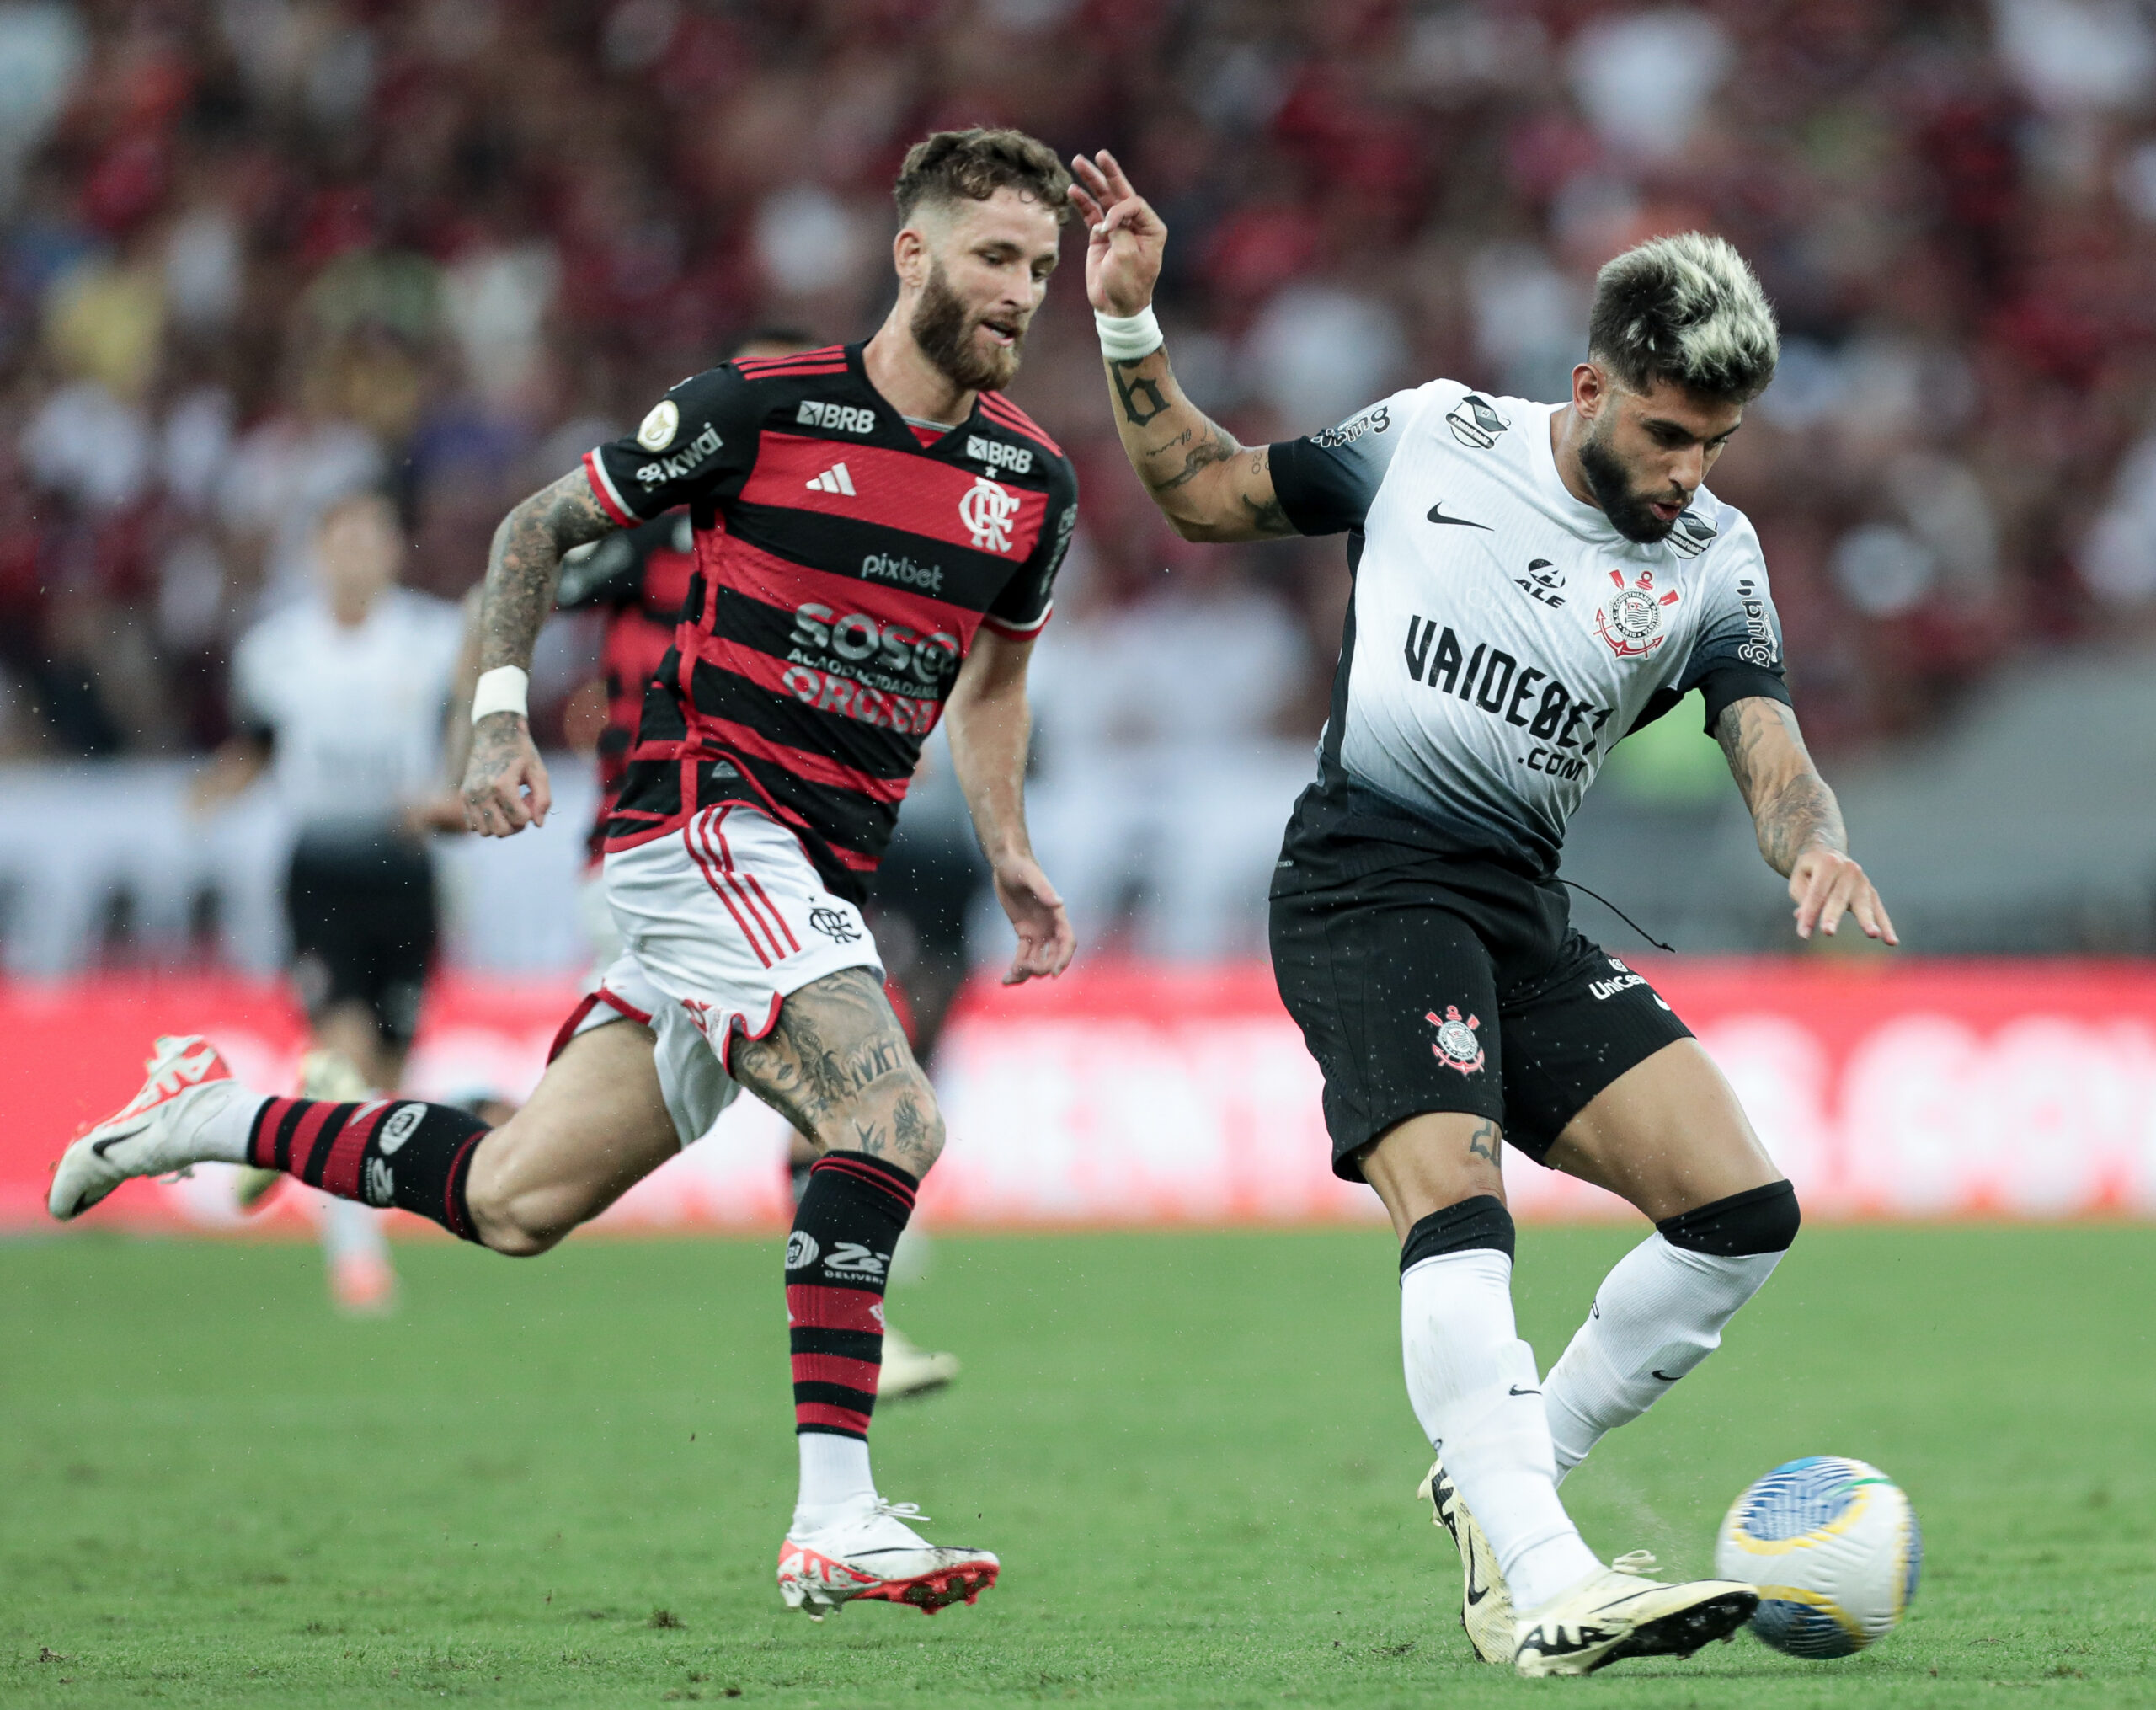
1685,308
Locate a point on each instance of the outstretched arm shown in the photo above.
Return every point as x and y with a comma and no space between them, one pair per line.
1798,822
505,782
989,727
1208,486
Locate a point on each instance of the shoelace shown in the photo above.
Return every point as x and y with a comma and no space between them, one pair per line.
1637,1563
909,1512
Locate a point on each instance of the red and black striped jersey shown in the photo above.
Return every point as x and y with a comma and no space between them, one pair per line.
843,564
640,579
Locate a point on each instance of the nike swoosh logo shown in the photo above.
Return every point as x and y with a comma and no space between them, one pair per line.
1475,1597
1517,1390
1438,515
1665,1376
100,1148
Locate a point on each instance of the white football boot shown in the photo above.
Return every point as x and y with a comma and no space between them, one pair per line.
876,1555
159,1131
1485,1607
908,1369
1620,1613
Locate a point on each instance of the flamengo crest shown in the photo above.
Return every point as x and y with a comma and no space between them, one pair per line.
1457,1046
986,510
1631,619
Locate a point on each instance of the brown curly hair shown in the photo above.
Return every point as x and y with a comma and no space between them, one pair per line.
972,165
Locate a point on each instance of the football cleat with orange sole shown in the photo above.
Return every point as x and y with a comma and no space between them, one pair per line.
876,1556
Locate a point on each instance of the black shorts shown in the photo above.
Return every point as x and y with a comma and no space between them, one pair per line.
363,927
1445,983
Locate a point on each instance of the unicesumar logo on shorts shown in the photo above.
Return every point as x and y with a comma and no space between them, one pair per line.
1457,1046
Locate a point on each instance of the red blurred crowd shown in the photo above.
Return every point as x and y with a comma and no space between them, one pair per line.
258,252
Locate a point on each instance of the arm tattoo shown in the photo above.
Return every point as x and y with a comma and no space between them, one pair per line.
1141,399
1216,448
1483,1142
1792,809
526,560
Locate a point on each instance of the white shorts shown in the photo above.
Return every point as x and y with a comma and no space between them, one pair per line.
723,921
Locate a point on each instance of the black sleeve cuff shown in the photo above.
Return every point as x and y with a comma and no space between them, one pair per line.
1727,684
1315,494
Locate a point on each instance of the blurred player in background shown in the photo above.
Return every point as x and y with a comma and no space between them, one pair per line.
1531,583
340,698
878,534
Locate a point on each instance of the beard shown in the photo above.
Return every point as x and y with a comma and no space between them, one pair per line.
943,327
1610,482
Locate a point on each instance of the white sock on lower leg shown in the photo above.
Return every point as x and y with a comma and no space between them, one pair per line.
219,1118
1473,1385
1658,1313
835,1479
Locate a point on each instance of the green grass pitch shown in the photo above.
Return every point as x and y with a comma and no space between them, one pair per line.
563,1482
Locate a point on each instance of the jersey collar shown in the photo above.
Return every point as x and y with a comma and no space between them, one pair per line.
1589,521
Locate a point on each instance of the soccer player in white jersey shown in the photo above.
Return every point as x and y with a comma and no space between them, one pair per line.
340,698
1531,583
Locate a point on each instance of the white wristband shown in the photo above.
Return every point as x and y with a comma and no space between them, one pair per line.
1127,337
501,690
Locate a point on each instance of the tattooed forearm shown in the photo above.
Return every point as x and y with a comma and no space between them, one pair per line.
1484,1140
524,563
1802,814
1216,448
1207,485
1139,395
1792,809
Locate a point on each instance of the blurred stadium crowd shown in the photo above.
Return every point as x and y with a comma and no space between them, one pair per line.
259,251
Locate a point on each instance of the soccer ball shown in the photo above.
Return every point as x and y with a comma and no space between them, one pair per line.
1834,1547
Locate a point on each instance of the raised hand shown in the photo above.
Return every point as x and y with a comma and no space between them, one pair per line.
1046,943
1122,255
1824,884
505,786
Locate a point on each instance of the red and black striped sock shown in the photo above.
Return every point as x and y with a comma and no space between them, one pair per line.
837,1259
386,1151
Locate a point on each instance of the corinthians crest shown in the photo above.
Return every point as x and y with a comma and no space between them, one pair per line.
1458,1046
1630,618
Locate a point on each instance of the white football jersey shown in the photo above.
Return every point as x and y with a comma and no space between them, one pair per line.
357,712
1502,636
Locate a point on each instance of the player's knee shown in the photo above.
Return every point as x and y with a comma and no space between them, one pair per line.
900,1121
1481,1222
1756,1221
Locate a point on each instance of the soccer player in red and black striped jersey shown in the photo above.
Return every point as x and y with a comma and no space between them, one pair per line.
877,532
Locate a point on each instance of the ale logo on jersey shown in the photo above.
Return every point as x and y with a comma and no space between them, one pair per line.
986,510
1459,1045
1630,618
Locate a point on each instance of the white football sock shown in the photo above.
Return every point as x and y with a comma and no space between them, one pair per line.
1472,1383
218,1121
1656,1315
835,1481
